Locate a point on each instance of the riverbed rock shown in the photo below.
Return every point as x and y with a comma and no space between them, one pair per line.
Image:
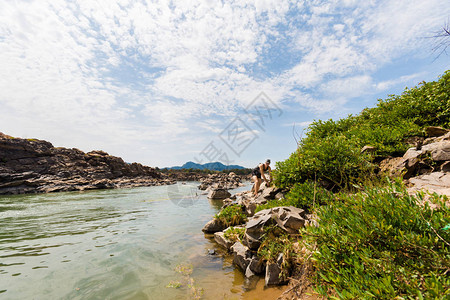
220,239
218,194
267,193
241,255
273,272
256,265
213,226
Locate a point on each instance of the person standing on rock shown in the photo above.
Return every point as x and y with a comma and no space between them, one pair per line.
258,174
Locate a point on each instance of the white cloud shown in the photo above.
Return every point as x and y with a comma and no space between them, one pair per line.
153,71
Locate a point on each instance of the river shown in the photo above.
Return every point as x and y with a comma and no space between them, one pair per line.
117,244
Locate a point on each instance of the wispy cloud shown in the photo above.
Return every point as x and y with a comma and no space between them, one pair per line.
145,72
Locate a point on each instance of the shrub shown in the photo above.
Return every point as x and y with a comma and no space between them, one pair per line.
382,244
331,149
335,159
302,195
231,215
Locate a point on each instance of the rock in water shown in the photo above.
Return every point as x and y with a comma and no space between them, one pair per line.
241,255
220,239
218,194
273,272
213,226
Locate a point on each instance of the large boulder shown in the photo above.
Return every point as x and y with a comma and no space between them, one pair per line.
288,219
218,194
441,151
438,182
213,226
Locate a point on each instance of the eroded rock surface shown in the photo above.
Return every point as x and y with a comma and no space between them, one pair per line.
36,166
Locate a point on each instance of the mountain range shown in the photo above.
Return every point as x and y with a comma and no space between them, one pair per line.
213,166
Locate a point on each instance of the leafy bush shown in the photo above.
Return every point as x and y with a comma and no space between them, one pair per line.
382,244
231,215
302,195
335,159
331,150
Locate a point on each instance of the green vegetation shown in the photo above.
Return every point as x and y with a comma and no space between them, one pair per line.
374,241
303,195
274,243
231,215
187,282
382,243
331,151
235,234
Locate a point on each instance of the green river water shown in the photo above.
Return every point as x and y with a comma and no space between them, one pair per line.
116,244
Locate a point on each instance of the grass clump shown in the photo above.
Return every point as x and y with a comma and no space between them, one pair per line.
382,244
234,234
231,215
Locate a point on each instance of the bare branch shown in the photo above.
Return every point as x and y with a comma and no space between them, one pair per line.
442,40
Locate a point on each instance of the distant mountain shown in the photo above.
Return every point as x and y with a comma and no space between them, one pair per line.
213,166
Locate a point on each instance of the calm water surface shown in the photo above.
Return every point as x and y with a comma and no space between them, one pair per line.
115,244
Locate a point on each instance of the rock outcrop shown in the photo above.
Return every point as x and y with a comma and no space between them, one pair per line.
426,166
35,166
288,219
281,220
221,180
218,194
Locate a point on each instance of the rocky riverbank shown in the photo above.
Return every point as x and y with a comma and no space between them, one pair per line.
243,241
36,166
243,229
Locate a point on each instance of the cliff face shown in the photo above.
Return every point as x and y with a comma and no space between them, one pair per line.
34,166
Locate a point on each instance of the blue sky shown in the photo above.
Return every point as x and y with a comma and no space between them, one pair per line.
165,82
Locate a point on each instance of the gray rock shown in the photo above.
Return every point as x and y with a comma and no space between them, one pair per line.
241,255
218,194
273,272
268,193
256,265
213,226
220,238
441,151
287,218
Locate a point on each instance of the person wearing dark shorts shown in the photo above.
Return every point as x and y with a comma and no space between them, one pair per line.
258,175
